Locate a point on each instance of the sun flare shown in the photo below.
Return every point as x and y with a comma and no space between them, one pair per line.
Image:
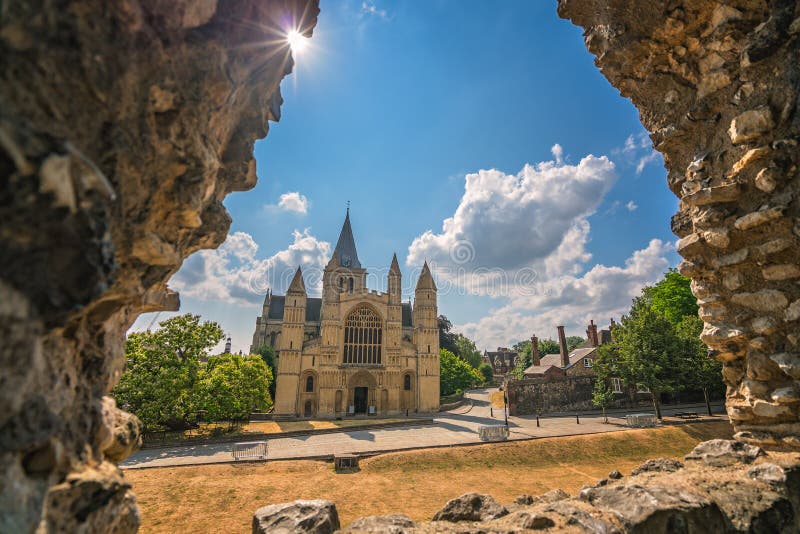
297,41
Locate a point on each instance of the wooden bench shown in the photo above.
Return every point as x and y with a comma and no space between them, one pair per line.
687,415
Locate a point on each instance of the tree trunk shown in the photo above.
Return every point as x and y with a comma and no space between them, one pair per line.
708,402
656,404
605,417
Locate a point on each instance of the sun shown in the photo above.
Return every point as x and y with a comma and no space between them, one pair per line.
297,41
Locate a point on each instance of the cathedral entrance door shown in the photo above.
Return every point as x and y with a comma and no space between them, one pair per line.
360,399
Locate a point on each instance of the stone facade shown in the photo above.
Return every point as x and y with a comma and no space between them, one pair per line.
353,350
550,394
717,86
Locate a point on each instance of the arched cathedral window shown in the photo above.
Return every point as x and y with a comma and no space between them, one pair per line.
363,337
310,384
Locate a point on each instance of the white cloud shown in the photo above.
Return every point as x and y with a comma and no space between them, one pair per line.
234,273
599,294
369,8
631,205
638,151
511,221
522,238
291,202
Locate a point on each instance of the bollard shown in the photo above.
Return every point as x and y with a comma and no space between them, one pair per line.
537,420
491,412
577,419
406,412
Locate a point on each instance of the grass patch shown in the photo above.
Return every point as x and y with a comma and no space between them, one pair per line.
222,498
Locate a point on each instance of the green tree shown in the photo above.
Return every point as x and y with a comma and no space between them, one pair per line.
267,354
650,352
705,373
602,396
488,373
467,351
233,386
548,346
573,342
447,339
672,297
162,368
455,374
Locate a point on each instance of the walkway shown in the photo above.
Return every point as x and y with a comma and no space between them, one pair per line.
457,427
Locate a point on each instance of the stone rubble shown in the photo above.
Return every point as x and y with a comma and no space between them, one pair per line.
724,486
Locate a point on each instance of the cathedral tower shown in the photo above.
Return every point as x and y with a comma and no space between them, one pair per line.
291,346
426,334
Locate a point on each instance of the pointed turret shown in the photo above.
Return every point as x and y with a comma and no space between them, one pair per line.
228,345
346,246
426,279
297,286
394,284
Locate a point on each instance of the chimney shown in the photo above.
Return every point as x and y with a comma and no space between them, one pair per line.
562,342
535,350
613,323
591,334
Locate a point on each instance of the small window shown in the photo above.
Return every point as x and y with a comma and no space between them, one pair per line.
616,385
351,285
407,382
310,384
341,284
587,362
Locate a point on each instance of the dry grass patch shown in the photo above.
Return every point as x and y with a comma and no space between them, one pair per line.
274,427
222,498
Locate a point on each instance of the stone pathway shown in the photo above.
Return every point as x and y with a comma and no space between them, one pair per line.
458,427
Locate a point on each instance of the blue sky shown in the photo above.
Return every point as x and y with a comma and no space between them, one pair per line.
392,106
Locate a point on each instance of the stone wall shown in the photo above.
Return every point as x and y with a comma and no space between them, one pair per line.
716,84
545,395
123,126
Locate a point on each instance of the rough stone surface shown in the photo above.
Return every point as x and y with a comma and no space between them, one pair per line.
392,524
123,126
656,465
317,517
759,497
716,84
720,452
471,507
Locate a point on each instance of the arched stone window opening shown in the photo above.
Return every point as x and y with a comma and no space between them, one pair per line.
351,284
363,337
407,382
310,384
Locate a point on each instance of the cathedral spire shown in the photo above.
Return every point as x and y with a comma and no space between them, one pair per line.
395,267
297,285
426,279
346,245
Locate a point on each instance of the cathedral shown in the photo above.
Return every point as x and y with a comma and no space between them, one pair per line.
354,350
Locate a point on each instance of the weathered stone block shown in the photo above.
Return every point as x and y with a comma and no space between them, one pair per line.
316,516
723,452
763,301
750,125
471,507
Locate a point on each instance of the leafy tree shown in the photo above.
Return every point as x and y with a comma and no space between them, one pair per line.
672,297
602,396
548,346
705,372
232,386
467,351
455,374
488,373
267,354
573,342
447,339
162,368
650,352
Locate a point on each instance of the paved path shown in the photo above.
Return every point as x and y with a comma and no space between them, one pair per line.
456,427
